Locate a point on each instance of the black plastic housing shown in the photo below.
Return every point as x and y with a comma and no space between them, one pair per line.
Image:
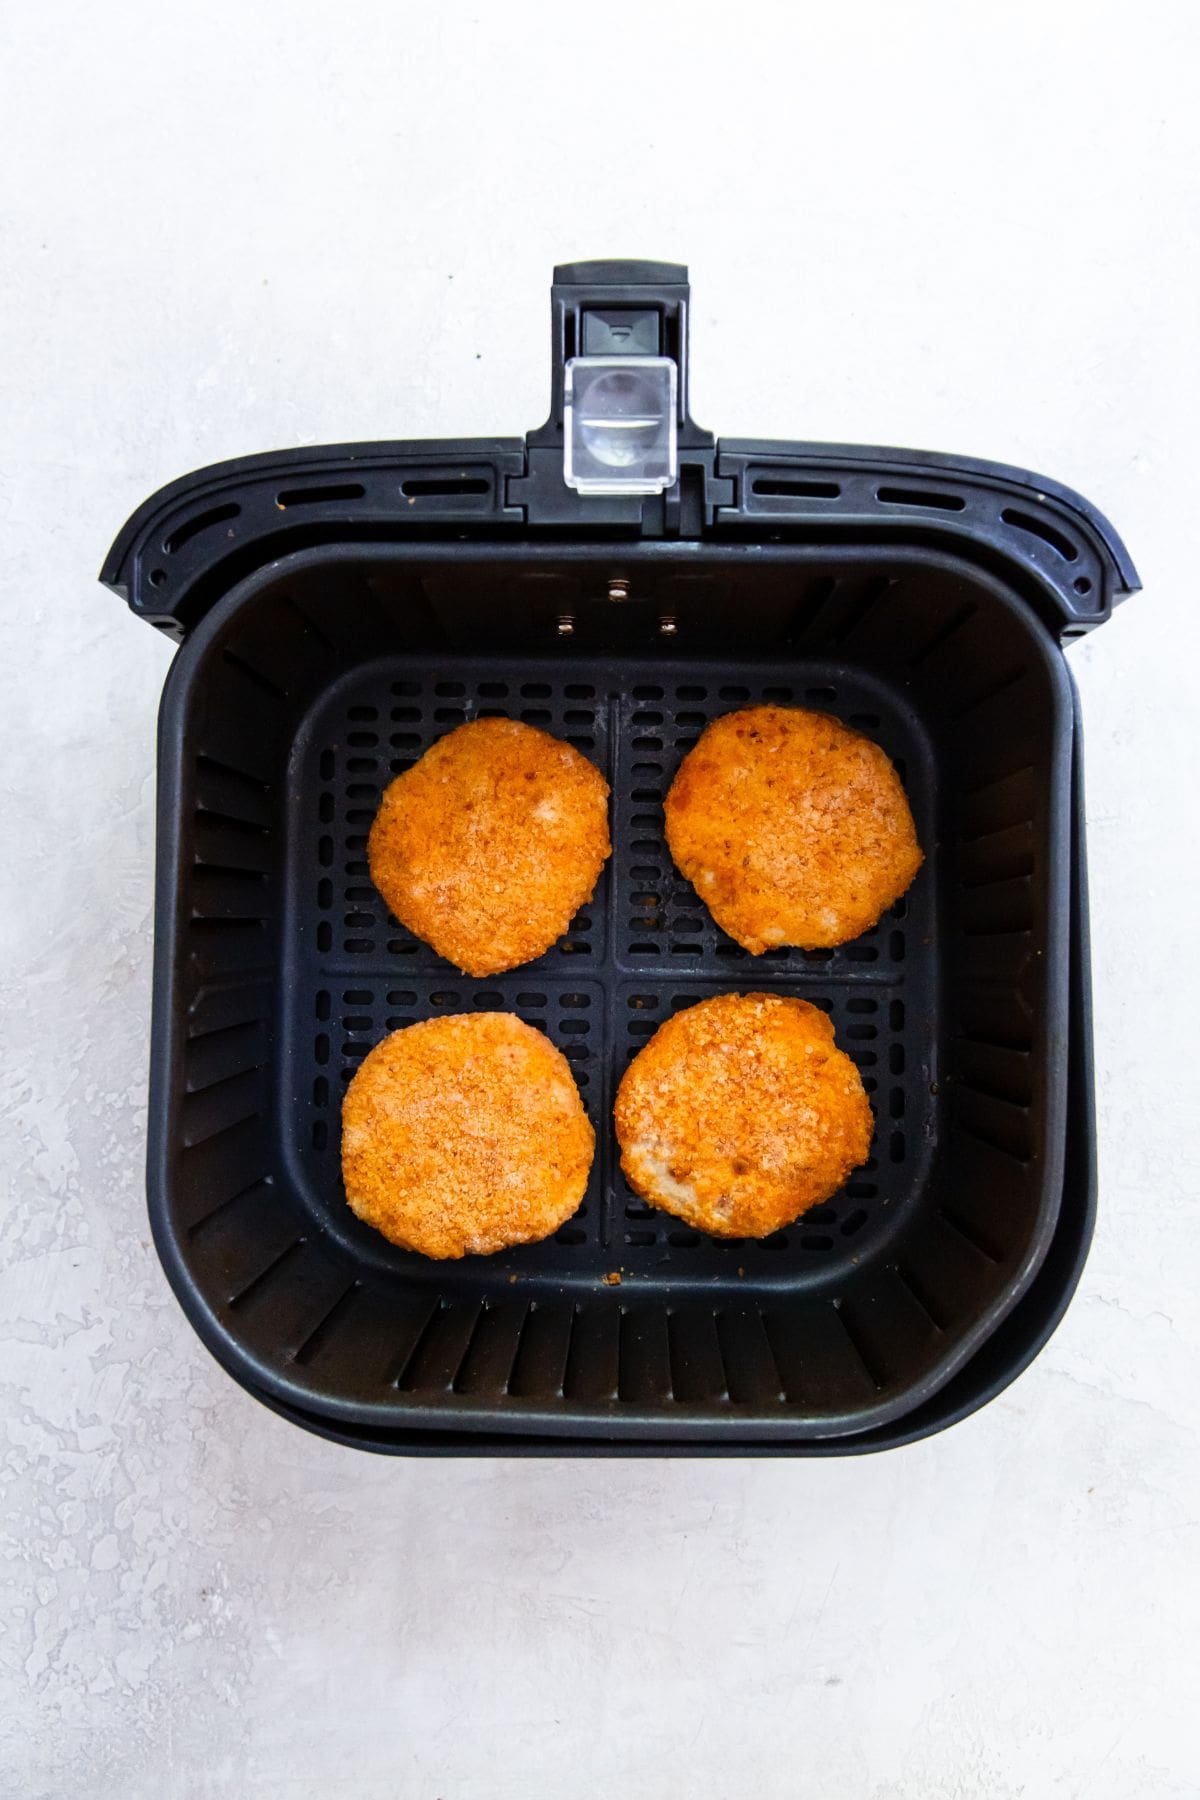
344,608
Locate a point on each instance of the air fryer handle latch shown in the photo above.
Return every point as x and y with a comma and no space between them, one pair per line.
619,432
619,374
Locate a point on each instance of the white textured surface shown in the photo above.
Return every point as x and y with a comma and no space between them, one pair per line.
236,226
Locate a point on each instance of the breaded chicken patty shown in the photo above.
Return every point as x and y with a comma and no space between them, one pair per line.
792,828
489,845
741,1113
464,1134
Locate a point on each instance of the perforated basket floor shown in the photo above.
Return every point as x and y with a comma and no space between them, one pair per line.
642,949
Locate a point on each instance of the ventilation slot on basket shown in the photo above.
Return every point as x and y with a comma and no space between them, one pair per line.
857,613
991,692
902,496
183,534
752,1372
263,683
320,496
1001,1125
593,1355
970,1234
216,1214
949,629
445,487
227,821
487,1364
442,1348
644,1368
697,1365
409,1335
915,1287
213,765
1038,528
796,490
541,1354
274,1268
857,1341
321,1333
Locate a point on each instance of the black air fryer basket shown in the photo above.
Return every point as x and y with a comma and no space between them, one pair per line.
620,578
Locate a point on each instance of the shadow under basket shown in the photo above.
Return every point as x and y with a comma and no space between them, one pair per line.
340,609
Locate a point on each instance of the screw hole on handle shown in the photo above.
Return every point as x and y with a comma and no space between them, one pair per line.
157,577
1082,584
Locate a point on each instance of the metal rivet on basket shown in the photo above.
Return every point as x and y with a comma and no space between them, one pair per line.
667,625
618,588
566,625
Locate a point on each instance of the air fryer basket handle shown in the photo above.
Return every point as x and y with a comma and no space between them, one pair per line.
187,544
652,298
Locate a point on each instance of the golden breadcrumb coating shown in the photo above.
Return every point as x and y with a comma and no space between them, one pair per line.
741,1113
489,845
464,1134
792,828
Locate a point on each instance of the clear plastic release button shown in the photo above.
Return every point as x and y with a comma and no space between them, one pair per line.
619,417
